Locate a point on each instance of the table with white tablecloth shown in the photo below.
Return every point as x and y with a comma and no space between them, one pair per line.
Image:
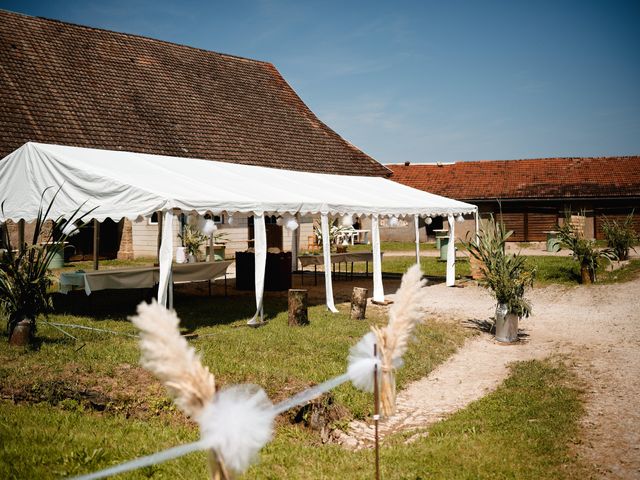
141,277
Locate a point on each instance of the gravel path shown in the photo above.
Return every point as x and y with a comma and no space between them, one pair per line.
597,326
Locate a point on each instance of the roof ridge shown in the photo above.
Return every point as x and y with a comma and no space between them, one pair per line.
456,162
126,34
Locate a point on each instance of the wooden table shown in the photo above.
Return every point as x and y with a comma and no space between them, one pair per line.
336,259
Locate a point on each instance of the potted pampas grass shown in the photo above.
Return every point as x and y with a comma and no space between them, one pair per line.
506,276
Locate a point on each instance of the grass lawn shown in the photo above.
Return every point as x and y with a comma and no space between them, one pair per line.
84,404
522,431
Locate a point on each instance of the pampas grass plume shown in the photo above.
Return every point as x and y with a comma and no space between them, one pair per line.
169,357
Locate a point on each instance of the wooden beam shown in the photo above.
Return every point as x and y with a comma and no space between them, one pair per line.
96,243
21,236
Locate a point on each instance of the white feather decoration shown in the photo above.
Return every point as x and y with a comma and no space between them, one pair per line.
230,219
237,425
459,219
362,363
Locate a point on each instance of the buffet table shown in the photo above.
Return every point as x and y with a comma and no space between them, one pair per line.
142,277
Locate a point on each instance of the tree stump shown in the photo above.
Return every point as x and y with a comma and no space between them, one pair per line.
298,307
358,303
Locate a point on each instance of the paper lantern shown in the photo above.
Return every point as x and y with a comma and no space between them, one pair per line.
291,223
208,227
279,221
230,219
393,221
428,220
347,221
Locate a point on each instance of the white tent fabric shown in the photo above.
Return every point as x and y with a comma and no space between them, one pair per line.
125,184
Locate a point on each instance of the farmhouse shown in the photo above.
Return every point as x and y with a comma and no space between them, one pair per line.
532,196
78,86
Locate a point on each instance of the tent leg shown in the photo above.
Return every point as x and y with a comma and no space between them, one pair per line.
378,287
260,255
165,289
326,253
416,221
451,253
159,240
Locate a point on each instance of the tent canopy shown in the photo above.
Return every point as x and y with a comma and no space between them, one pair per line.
125,184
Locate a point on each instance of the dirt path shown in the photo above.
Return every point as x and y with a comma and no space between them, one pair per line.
597,326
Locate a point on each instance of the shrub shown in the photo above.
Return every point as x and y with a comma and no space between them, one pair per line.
621,236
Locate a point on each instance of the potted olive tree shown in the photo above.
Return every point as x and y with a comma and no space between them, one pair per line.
505,275
25,277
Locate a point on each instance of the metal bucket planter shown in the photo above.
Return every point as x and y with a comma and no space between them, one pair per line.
506,325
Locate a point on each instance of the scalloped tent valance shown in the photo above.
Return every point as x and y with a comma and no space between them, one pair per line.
125,184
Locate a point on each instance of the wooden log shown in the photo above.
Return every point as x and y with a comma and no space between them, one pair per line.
358,303
298,307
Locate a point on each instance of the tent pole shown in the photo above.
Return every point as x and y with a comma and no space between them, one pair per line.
260,257
165,256
295,245
159,241
378,287
416,221
96,243
451,253
477,220
326,253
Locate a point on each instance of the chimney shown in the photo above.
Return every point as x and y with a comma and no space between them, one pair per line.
406,164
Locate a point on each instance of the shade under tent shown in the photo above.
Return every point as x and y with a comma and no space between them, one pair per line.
120,185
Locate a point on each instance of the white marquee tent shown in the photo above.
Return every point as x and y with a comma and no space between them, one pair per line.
124,184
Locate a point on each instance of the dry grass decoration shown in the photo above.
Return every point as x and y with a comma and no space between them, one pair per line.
393,340
234,424
237,422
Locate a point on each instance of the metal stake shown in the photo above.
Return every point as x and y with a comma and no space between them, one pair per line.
376,411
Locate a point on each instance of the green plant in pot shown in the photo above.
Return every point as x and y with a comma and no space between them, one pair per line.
192,240
505,275
25,278
584,250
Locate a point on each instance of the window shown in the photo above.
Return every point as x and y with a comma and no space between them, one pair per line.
153,220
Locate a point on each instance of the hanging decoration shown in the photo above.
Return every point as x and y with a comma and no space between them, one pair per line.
428,220
347,220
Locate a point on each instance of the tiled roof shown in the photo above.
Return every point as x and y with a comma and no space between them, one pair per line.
536,178
73,85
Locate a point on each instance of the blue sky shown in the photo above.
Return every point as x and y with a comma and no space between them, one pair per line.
423,81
